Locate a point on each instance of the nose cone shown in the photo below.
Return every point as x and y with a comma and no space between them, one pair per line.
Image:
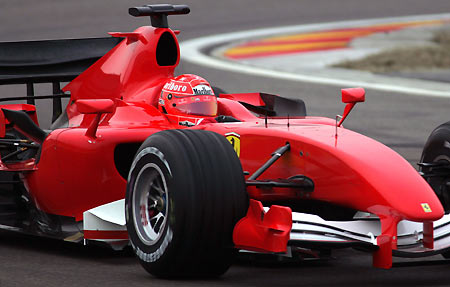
375,178
406,194
396,188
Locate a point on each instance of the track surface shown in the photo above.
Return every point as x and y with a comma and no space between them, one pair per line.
400,121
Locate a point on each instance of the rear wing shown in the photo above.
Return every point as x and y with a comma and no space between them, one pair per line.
49,61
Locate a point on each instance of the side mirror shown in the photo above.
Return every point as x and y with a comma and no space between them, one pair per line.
351,97
97,107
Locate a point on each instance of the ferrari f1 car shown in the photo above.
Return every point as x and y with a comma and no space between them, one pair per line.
188,175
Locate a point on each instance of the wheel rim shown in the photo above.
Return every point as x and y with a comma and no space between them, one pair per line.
150,204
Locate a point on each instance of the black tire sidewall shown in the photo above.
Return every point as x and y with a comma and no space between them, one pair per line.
435,144
436,147
154,252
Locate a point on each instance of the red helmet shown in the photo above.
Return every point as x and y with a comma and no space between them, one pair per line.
188,95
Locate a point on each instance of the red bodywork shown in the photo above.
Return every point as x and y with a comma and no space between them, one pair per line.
114,102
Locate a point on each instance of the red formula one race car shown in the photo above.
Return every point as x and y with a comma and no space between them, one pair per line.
187,176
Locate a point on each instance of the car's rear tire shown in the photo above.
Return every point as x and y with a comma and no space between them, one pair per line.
437,149
185,193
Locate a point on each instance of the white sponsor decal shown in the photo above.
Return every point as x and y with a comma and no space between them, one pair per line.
175,87
186,123
202,90
446,144
152,257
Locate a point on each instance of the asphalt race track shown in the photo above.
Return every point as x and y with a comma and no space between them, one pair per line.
400,121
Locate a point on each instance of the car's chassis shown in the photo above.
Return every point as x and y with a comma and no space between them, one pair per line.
113,168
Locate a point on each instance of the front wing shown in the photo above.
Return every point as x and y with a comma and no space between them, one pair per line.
264,234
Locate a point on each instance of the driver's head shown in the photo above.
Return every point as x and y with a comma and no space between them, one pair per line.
188,95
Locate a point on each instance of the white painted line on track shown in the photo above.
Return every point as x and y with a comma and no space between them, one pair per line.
191,51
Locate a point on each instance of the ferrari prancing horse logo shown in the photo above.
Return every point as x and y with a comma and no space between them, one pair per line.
235,141
426,207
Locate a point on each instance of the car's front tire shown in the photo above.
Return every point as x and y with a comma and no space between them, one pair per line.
437,150
185,193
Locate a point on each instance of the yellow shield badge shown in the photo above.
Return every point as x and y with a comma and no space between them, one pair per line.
426,207
235,141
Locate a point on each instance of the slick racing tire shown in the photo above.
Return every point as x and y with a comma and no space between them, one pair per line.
437,149
185,193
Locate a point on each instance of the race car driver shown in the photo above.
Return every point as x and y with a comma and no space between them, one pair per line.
188,95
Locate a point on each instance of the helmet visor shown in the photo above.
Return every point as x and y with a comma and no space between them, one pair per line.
207,108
